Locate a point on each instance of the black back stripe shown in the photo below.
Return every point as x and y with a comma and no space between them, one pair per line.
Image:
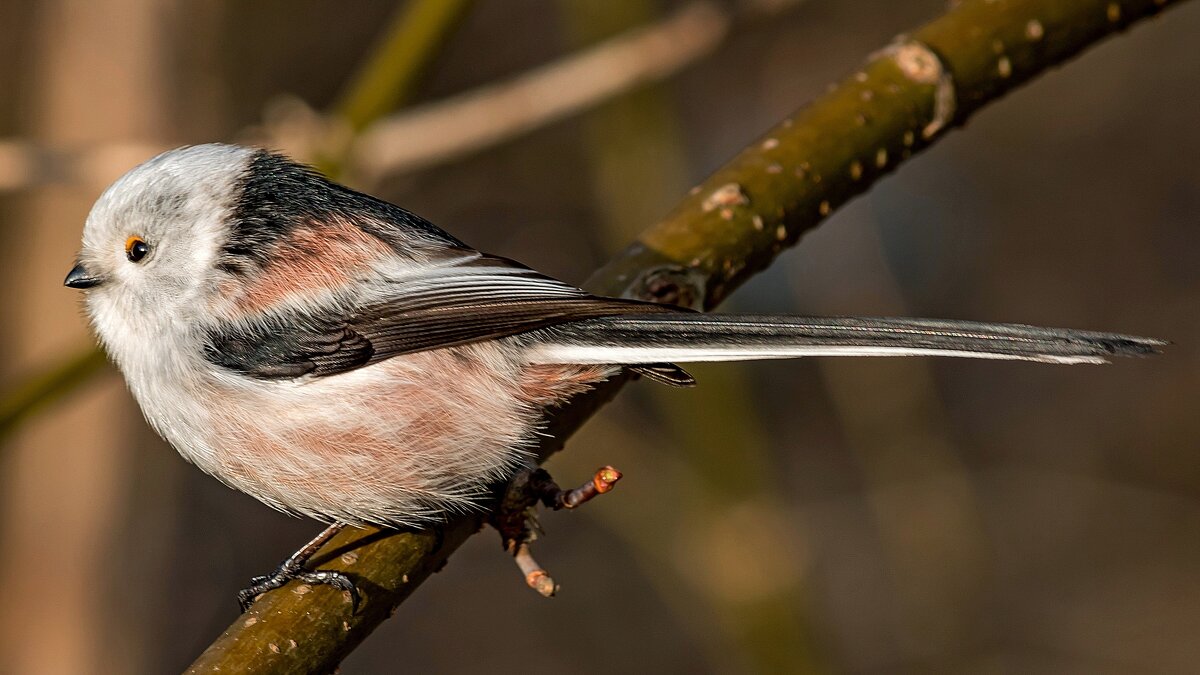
275,196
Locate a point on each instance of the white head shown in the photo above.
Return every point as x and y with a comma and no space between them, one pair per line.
175,237
150,240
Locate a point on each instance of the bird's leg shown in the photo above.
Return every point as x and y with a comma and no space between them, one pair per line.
293,568
516,520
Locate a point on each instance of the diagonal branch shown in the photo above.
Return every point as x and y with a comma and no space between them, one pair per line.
902,99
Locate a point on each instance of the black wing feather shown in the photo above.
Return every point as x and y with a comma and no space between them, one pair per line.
503,300
277,350
455,296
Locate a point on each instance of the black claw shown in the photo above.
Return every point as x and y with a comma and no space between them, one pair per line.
337,580
246,596
286,573
293,568
262,584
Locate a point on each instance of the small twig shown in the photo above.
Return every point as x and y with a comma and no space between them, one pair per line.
535,575
514,518
605,479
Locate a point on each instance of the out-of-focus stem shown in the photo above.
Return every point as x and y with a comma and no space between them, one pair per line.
388,78
45,388
494,113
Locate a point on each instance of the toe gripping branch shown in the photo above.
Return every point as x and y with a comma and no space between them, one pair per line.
516,518
293,568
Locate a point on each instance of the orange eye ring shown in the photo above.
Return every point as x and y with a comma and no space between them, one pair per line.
136,249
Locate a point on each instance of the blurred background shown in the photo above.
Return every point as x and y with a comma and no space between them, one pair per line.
864,516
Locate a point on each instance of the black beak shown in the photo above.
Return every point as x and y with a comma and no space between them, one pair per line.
78,277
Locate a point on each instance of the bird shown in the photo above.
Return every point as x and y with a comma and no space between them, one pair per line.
339,357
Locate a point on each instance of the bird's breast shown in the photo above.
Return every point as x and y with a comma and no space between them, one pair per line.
397,442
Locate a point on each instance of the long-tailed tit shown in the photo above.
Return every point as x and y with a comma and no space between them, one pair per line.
339,357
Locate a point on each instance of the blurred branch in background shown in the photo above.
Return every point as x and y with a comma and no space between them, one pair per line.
635,146
385,81
26,163
62,486
389,78
904,98
43,389
434,133
448,129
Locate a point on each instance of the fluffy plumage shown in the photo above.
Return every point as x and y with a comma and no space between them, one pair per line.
339,357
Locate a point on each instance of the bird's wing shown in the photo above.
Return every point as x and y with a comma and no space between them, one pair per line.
472,298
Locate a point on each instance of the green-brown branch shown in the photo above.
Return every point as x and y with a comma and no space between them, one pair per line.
904,97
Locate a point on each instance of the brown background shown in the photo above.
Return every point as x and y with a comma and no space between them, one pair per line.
857,516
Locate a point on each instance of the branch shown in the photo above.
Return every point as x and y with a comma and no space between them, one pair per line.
390,76
457,126
387,79
25,163
437,132
44,389
904,98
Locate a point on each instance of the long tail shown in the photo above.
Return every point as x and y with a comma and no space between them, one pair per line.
690,338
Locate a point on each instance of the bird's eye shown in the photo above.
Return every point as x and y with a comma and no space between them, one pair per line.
136,249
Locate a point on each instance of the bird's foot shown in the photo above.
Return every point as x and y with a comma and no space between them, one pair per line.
269,582
293,568
516,518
